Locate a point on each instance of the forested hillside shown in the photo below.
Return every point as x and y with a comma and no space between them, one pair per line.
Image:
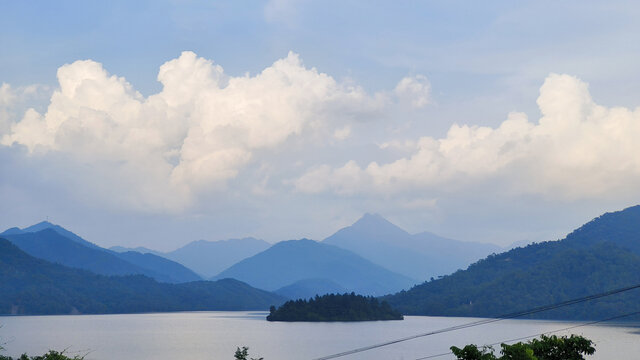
592,259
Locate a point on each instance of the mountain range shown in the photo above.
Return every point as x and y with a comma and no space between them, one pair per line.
288,262
602,255
371,257
418,256
55,244
33,286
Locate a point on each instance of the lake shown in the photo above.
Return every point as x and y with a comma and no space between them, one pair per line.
215,335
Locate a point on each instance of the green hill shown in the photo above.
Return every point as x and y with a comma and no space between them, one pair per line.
600,256
34,286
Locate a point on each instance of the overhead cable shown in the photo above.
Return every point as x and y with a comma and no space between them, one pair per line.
483,321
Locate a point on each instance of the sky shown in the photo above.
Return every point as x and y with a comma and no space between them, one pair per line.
156,123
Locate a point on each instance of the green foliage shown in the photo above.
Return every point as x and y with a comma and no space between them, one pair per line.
562,348
537,275
472,352
242,354
334,307
51,355
517,351
546,348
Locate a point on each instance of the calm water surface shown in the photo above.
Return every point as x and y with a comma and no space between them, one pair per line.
215,335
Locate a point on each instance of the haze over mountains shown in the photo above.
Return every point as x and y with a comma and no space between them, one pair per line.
56,244
418,256
288,262
601,255
209,258
34,286
374,257
415,256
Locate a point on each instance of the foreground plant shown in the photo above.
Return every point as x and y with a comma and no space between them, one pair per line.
51,355
242,354
552,347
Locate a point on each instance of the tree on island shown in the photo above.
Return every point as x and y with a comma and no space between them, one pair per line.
334,307
552,347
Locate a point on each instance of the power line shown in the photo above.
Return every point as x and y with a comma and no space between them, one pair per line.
542,333
483,322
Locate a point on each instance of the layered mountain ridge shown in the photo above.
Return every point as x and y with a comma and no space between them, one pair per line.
419,256
33,286
288,262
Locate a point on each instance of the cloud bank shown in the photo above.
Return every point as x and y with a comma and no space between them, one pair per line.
577,149
202,132
158,152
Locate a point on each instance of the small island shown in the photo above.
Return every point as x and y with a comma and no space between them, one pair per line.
334,307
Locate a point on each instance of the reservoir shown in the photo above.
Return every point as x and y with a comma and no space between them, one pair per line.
215,335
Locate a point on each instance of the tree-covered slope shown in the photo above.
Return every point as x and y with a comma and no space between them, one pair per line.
620,227
34,286
290,261
590,260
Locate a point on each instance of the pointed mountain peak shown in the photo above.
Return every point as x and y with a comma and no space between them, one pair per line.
45,225
369,228
375,222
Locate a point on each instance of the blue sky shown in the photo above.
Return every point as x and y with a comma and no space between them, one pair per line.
494,122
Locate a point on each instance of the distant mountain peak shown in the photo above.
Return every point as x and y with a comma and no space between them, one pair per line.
44,225
372,223
375,217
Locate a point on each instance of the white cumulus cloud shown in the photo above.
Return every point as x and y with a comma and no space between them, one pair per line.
577,149
415,90
195,135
